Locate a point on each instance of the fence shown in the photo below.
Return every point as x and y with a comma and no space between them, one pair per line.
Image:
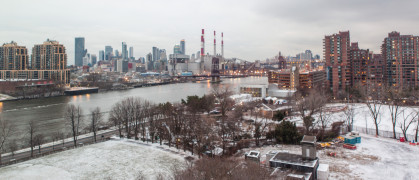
388,134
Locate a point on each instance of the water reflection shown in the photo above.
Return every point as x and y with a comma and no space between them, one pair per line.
48,112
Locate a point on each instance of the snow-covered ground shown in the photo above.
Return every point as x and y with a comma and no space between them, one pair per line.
375,158
114,159
363,118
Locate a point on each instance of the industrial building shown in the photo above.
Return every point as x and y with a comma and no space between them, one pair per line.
205,64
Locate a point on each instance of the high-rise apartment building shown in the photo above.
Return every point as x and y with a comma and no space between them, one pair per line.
182,46
108,52
50,55
359,59
79,50
101,55
48,62
13,57
401,56
93,59
117,55
124,51
338,65
131,53
376,69
156,54
149,62
177,49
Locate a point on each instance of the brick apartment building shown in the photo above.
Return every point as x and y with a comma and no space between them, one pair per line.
338,65
293,78
401,57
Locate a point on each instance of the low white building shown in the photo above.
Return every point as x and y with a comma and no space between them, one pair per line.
256,90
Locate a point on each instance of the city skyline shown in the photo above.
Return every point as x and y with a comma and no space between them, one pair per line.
264,28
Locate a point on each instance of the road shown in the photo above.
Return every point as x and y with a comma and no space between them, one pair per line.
6,160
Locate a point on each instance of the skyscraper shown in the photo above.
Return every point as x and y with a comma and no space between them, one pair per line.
156,54
49,56
338,66
124,51
117,55
182,46
108,52
401,55
93,59
131,53
13,57
177,49
163,55
149,62
79,50
359,60
101,55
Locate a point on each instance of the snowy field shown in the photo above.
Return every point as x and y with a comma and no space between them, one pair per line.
363,118
115,159
375,158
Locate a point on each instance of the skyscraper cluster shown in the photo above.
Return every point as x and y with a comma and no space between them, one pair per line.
347,65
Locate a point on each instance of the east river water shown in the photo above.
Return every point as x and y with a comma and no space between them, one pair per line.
48,112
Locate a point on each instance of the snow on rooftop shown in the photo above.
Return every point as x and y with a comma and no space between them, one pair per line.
375,158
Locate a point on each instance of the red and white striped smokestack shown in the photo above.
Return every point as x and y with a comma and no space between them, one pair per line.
215,45
202,44
222,44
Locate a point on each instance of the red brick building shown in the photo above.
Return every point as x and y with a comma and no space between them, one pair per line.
401,56
337,57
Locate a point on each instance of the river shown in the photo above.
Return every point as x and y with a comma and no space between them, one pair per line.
48,112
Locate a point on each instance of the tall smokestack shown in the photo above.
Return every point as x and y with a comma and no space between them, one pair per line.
202,45
215,45
222,44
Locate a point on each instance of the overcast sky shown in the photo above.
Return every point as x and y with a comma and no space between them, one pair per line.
253,29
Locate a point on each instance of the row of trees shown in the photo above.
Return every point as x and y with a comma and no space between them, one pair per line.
311,107
180,123
75,122
402,113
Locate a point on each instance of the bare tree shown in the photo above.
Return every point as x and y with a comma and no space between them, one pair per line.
394,100
59,135
115,117
95,121
32,130
5,132
408,119
373,95
225,103
417,125
39,139
56,136
349,116
74,118
324,120
12,147
307,106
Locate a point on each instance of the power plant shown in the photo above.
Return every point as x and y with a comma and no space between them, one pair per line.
206,64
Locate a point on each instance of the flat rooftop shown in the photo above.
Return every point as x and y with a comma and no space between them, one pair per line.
293,159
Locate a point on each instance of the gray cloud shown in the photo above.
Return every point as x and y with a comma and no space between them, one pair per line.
252,29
